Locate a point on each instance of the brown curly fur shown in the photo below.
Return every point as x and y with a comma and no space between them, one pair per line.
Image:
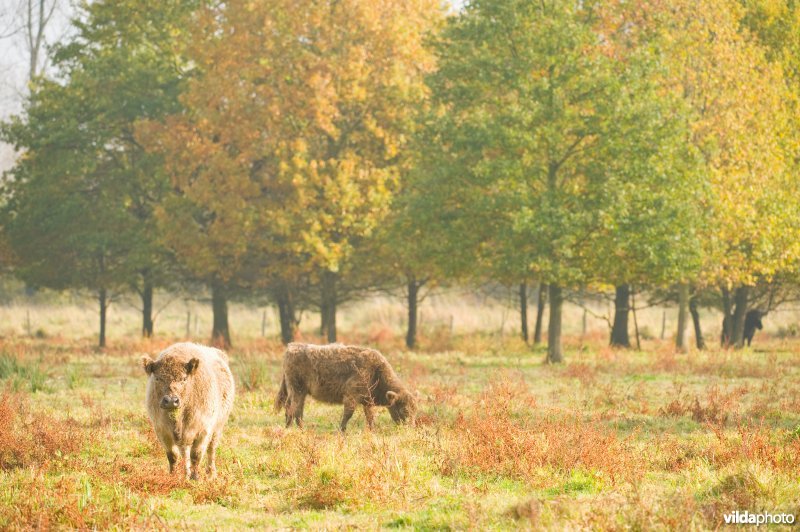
342,374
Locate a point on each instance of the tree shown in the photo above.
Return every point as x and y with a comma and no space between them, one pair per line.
78,135
742,128
437,231
406,248
546,124
63,218
291,142
776,24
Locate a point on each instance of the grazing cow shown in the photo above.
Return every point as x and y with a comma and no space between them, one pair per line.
345,375
752,321
190,393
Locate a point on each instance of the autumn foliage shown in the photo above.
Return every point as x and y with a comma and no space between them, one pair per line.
304,154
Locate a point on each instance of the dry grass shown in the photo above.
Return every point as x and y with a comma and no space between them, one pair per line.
41,502
585,373
716,408
34,439
610,440
493,438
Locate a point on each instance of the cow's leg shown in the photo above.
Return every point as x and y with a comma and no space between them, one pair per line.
369,414
172,451
298,404
349,408
291,404
187,462
199,447
294,403
172,457
211,465
289,411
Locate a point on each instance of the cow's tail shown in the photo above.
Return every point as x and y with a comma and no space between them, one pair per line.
283,395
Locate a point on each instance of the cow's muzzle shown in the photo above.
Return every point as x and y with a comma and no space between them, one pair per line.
170,402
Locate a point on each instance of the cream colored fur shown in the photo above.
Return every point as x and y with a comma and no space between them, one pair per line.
206,394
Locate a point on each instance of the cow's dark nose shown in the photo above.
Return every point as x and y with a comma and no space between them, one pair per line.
170,402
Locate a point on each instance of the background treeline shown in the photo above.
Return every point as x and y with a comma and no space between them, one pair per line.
306,153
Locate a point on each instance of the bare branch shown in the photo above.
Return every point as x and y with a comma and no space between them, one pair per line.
163,307
593,314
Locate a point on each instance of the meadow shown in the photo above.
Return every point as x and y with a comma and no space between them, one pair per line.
612,439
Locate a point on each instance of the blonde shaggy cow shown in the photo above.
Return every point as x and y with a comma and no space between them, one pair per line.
190,393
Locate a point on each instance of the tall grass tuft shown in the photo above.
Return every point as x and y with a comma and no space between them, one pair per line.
252,371
20,373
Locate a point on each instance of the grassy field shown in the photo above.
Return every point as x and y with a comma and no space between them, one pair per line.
609,440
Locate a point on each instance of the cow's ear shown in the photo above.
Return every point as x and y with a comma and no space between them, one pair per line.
191,366
391,397
148,364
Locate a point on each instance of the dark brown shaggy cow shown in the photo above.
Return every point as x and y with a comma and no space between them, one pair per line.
752,321
342,374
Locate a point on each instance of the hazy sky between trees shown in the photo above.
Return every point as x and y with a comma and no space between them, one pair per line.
14,56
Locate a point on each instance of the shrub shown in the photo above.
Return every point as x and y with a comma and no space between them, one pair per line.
496,441
33,439
716,409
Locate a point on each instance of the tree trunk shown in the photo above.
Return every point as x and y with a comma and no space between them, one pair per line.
683,310
323,317
584,323
286,315
220,333
619,331
413,300
698,333
739,313
147,308
541,301
635,321
523,310
102,297
329,304
727,319
554,353
35,19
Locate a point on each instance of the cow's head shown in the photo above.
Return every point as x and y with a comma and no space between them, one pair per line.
756,317
402,406
172,379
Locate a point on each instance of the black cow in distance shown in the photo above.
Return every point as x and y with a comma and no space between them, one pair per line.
752,321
